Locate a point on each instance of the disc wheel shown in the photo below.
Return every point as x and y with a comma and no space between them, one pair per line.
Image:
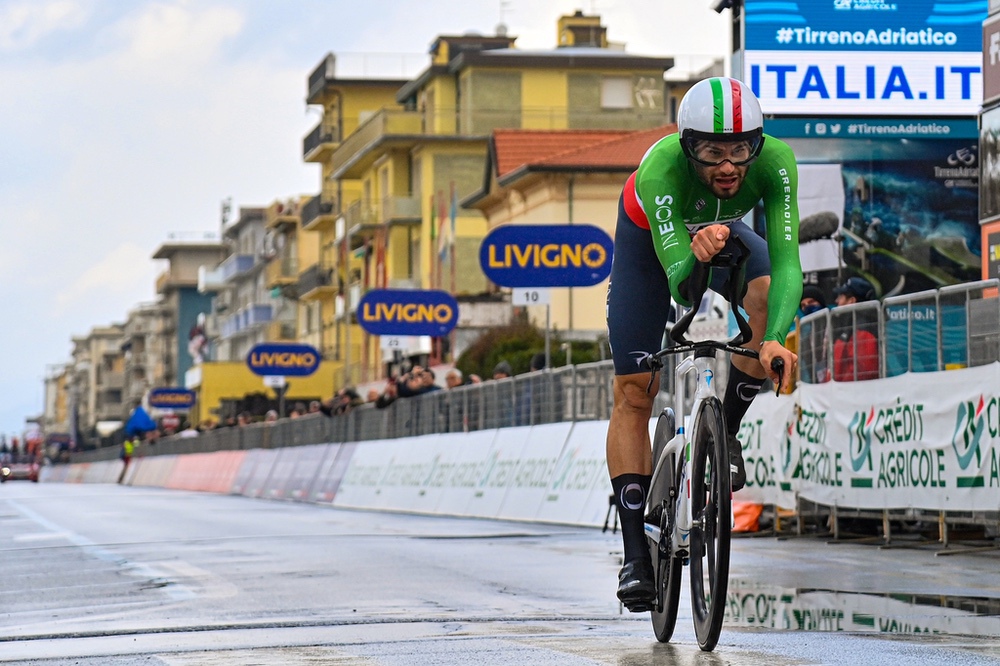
666,566
711,511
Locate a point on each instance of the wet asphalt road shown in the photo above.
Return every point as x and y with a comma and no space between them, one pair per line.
116,575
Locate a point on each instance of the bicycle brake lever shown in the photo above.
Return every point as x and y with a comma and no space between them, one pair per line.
778,365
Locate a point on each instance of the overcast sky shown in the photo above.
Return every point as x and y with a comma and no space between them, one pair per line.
122,121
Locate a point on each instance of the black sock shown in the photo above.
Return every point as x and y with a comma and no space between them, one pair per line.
740,392
630,497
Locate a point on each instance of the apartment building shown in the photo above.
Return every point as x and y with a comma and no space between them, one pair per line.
147,354
177,287
416,159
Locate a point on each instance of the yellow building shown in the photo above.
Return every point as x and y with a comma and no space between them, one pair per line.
417,158
567,177
218,383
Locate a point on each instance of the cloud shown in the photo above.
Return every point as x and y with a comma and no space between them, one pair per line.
23,24
176,37
115,273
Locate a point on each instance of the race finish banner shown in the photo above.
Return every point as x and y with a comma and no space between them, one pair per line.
859,445
870,57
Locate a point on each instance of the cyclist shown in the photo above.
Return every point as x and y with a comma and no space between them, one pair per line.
684,203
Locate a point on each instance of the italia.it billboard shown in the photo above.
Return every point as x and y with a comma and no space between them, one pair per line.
865,57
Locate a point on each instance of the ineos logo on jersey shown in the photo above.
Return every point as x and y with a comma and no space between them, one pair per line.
664,213
632,497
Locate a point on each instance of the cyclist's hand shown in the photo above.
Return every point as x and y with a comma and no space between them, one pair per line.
709,241
772,349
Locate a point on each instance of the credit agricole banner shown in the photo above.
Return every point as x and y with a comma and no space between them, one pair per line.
885,443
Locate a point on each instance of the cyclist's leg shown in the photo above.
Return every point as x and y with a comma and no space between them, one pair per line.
638,300
746,376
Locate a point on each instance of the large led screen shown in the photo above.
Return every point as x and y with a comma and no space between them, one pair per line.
989,154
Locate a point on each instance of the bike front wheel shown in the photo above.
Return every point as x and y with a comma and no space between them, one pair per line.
660,510
711,511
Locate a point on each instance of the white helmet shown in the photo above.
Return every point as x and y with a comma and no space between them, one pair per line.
720,109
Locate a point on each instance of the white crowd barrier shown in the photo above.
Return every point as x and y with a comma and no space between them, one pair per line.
851,445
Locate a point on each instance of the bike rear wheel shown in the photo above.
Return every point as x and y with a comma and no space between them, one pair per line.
711,511
660,509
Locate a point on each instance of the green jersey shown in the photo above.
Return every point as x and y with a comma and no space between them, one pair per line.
666,195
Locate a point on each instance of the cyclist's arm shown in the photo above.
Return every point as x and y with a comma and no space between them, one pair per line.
662,198
781,211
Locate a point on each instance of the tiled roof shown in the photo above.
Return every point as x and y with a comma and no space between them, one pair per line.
573,149
516,148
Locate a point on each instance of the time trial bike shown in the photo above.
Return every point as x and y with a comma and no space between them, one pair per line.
689,514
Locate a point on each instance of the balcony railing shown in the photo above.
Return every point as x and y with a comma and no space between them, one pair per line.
283,270
317,210
358,217
282,331
112,381
316,277
383,123
400,209
317,78
319,142
475,122
234,265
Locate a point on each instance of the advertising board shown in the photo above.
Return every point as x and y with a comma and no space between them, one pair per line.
851,57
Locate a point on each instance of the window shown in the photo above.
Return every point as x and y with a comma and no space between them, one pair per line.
616,93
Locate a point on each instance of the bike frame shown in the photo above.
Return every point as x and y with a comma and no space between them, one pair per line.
679,446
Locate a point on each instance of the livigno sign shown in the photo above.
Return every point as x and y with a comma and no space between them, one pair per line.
408,312
557,255
285,359
171,398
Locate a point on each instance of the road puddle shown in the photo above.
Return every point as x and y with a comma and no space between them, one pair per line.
772,607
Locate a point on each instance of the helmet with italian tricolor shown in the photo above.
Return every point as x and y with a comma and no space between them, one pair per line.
720,111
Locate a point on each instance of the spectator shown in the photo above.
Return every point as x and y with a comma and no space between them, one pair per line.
314,406
128,449
855,350
502,370
814,369
812,301
372,395
416,382
453,378
271,416
502,411
389,394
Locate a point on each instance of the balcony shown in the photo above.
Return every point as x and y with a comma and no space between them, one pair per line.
111,381
235,265
318,214
282,270
319,144
256,315
167,282
282,215
316,282
318,77
400,210
209,280
360,222
282,331
387,127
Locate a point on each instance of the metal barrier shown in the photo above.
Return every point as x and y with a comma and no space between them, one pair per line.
930,331
938,330
571,393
